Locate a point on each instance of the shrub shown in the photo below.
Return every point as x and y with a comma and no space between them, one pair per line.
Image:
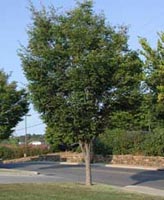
123,142
37,150
154,143
12,152
100,146
6,152
119,141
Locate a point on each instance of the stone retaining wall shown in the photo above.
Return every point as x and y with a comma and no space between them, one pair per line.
24,159
148,161
63,157
145,161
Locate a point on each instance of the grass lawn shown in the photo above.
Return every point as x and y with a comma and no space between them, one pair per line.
66,192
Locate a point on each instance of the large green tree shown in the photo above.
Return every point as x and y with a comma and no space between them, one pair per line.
76,65
13,105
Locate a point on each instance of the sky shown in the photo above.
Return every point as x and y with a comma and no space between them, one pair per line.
143,17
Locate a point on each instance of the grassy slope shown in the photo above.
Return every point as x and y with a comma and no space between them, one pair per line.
66,192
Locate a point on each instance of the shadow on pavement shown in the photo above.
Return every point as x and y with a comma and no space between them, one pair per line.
146,176
136,177
38,166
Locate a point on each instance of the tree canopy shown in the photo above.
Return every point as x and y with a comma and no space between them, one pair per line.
154,79
80,70
13,105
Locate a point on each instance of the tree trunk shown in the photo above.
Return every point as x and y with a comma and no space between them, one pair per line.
86,149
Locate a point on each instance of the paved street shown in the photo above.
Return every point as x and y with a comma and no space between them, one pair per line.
53,172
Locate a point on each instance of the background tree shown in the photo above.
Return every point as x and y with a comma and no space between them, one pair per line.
13,105
76,65
154,80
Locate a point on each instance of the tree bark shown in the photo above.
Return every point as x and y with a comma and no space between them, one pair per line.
86,149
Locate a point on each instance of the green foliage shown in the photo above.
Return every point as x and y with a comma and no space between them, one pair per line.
10,141
37,150
6,152
122,142
13,152
102,147
124,120
126,142
154,80
153,144
13,105
79,71
119,141
57,140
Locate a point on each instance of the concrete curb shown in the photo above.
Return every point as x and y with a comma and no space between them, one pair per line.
114,166
133,167
18,172
70,163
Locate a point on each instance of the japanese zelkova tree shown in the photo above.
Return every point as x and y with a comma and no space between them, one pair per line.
13,105
75,64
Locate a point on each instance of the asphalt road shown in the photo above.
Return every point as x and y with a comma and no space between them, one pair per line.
53,172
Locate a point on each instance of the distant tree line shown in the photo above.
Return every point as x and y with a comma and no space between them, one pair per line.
16,140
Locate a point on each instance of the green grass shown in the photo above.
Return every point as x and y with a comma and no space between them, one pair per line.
66,192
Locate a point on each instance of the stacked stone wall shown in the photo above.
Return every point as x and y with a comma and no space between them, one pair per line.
145,161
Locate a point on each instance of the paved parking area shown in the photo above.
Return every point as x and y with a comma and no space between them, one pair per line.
55,172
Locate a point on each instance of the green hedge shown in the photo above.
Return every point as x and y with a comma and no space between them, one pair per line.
121,142
12,152
154,143
6,153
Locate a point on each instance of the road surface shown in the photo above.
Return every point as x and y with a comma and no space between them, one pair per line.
53,172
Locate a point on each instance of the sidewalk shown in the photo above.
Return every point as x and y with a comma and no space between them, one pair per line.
144,190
